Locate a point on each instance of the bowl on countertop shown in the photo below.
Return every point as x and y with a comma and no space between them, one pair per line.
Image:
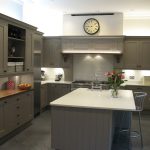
24,86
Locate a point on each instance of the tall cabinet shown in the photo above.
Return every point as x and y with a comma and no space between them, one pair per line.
16,54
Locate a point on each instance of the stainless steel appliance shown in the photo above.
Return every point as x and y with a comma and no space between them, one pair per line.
37,83
90,84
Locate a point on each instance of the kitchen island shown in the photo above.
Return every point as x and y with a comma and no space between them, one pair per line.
84,119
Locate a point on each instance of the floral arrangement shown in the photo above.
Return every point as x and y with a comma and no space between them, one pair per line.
115,79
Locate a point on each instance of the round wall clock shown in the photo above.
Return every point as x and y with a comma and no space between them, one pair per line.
91,26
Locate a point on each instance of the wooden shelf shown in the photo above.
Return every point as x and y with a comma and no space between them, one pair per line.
12,38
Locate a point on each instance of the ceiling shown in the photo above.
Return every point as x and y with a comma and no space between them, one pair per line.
127,7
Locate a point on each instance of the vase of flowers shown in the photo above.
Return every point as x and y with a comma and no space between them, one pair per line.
115,79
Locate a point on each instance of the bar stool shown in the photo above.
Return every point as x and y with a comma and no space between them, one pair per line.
139,100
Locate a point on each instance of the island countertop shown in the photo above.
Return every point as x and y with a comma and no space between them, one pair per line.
96,99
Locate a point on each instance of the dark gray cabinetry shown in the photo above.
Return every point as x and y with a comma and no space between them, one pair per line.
3,49
29,52
15,111
52,53
57,90
146,89
136,54
44,100
16,46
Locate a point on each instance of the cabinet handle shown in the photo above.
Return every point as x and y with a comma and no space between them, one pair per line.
5,70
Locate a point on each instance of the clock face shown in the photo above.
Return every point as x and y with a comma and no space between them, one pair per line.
91,26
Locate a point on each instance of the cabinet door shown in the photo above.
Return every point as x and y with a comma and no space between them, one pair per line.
65,88
44,101
26,107
51,92
52,56
2,124
145,54
37,42
10,114
131,55
28,51
57,90
3,49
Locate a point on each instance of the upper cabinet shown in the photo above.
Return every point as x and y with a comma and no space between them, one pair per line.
3,48
16,51
52,53
137,52
37,42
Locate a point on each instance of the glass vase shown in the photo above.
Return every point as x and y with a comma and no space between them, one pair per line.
114,93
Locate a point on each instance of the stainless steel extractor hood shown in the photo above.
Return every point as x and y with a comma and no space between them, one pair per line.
92,44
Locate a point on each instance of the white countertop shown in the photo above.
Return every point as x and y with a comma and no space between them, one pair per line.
87,98
59,82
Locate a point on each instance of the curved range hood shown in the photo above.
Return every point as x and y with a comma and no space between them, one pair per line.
88,44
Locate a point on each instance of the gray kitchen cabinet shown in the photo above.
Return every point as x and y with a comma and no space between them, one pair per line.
10,113
44,100
56,90
52,53
37,42
15,46
15,111
29,52
146,89
2,125
25,105
3,49
136,54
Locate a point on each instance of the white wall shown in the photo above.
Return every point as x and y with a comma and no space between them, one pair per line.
46,20
85,66
136,26
109,24
12,8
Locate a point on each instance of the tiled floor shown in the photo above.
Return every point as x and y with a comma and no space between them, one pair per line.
37,136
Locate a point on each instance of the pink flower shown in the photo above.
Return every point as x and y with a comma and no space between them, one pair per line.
122,76
108,74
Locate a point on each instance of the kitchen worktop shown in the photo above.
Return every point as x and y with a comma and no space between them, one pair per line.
5,93
53,81
136,84
87,98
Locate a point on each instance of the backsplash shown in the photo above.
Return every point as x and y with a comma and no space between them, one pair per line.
51,73
91,66
16,79
140,76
